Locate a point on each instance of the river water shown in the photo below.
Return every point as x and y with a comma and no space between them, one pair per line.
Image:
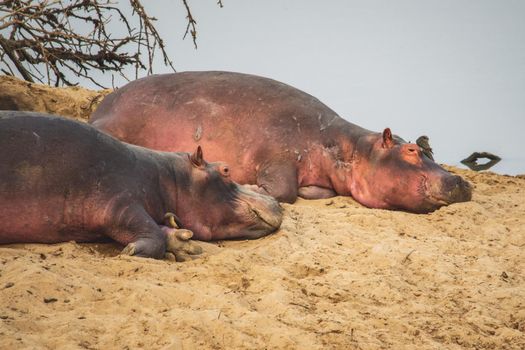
511,166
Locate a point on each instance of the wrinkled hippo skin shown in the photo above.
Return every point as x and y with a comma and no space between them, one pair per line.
63,180
279,139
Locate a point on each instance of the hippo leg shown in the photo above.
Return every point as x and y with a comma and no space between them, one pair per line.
279,180
179,244
141,235
316,192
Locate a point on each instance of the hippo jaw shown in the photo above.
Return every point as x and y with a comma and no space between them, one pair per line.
246,214
448,190
420,192
262,211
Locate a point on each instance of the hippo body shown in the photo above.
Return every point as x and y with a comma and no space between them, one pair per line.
280,139
63,180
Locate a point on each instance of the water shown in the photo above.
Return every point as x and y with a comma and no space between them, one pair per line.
510,166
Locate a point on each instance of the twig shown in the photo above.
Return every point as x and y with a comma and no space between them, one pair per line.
191,23
41,41
407,257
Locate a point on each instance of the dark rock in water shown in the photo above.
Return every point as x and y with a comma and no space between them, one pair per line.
472,161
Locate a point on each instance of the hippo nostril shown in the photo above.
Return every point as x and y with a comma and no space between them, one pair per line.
466,190
459,190
452,182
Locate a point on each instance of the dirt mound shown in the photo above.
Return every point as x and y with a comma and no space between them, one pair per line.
73,102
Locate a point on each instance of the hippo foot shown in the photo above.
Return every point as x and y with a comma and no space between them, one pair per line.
315,192
145,249
129,249
170,256
179,246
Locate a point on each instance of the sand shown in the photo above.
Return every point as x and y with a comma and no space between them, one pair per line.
335,276
74,102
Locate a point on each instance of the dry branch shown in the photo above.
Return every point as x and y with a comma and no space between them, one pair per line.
51,41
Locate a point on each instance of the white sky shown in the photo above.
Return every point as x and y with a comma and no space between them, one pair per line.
451,69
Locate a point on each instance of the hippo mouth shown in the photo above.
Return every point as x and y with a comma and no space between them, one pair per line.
263,211
433,199
272,221
452,189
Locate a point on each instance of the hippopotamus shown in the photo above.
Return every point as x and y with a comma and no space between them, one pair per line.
280,140
63,180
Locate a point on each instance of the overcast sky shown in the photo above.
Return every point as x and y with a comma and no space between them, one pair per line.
451,69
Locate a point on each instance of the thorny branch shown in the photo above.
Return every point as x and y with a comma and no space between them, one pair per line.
41,40
191,23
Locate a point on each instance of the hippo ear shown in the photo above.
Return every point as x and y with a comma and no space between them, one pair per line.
197,158
388,141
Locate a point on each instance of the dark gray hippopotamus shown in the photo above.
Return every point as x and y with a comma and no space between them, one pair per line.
63,180
278,138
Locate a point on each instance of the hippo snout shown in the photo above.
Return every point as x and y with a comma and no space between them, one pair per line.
265,212
456,189
444,190
272,216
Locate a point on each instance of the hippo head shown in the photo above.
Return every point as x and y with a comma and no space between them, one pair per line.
211,205
391,174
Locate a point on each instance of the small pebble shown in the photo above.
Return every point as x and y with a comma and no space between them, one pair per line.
50,300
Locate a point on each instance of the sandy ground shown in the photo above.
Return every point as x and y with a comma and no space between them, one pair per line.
336,275
74,102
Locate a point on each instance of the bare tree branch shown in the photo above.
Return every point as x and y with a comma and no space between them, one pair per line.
25,74
40,40
191,24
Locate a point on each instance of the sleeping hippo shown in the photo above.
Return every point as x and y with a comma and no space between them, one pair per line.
279,139
63,180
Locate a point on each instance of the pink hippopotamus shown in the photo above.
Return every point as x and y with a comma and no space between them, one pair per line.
63,180
280,140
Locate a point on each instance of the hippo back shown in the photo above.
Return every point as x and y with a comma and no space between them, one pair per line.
37,146
54,173
237,118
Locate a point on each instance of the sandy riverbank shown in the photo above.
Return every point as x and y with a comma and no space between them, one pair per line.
336,275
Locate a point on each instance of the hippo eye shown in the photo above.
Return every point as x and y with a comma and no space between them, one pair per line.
412,150
411,154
